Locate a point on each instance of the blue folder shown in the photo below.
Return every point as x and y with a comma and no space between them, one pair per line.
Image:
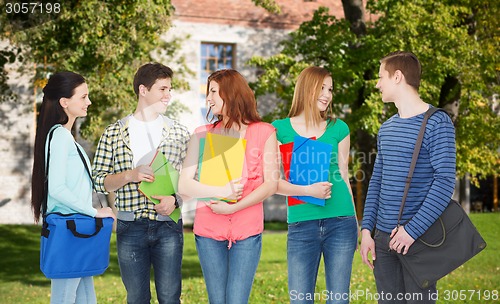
310,164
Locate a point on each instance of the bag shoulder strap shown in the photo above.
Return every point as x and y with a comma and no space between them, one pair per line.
416,151
84,164
44,205
46,181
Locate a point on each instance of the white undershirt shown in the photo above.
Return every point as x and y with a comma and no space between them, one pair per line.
145,137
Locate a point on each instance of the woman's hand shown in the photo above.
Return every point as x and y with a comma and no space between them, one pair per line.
322,190
233,190
221,207
105,212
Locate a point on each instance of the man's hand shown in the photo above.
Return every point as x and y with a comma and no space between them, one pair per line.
166,205
367,246
400,240
141,173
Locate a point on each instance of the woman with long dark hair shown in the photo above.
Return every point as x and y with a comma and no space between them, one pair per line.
65,98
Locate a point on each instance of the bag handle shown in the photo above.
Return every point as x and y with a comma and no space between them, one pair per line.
71,225
416,151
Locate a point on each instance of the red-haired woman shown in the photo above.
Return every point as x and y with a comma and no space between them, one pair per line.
228,235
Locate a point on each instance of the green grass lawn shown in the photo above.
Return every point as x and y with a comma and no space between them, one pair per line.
22,282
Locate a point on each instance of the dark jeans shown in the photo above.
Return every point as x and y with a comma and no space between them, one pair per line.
394,284
143,243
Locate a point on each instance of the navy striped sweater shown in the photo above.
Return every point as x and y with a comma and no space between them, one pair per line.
433,180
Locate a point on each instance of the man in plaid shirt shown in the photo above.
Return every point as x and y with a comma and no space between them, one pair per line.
146,235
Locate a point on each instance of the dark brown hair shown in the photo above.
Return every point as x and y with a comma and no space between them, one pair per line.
60,85
149,73
407,63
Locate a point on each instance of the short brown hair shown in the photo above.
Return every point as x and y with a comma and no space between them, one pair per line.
239,99
407,63
149,73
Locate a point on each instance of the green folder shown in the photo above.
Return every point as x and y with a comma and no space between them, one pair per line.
165,183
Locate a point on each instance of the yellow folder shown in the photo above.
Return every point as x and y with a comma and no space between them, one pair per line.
223,159
165,183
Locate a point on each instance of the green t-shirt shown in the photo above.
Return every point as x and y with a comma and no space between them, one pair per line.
340,203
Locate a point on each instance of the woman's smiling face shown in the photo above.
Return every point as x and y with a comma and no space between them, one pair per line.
325,96
214,101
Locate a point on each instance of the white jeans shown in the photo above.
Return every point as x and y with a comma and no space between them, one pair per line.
73,291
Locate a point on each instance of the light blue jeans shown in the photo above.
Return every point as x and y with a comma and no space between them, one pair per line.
69,291
229,273
143,243
334,238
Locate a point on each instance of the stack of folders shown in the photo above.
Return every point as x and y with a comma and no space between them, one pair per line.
165,183
306,161
222,158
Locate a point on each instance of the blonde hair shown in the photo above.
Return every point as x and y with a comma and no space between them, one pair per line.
306,93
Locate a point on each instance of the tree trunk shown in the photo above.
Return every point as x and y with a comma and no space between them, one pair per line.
449,96
354,13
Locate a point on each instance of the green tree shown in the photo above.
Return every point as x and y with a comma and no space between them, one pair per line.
106,41
269,5
457,42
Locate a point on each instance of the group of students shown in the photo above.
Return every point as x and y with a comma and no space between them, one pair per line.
229,235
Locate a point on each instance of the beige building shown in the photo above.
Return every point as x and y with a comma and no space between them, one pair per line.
216,34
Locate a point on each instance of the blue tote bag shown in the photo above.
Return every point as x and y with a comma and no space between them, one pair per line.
73,245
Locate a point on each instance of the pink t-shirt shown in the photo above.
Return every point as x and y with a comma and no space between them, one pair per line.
249,221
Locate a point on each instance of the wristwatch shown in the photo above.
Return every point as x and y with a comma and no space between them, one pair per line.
177,199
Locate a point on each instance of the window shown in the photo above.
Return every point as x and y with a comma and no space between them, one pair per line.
214,56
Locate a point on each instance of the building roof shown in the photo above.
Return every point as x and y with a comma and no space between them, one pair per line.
246,13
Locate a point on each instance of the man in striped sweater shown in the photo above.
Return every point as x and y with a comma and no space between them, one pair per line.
430,190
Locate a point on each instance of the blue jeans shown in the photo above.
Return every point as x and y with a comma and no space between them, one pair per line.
229,273
393,280
334,238
143,243
77,290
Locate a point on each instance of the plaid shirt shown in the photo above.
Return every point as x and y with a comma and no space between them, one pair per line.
114,155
